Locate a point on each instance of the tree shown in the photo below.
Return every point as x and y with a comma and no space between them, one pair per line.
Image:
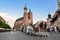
4,25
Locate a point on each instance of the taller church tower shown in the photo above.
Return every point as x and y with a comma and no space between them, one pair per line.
25,16
30,17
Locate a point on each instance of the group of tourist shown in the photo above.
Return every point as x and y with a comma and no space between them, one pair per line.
53,29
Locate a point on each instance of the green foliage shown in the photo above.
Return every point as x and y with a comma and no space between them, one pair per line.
4,25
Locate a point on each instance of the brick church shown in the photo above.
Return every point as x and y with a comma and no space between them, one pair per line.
22,22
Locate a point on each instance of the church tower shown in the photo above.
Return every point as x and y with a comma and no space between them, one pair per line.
30,17
25,16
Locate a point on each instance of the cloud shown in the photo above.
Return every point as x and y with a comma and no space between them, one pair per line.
9,19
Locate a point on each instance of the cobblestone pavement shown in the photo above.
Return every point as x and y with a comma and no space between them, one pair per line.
23,36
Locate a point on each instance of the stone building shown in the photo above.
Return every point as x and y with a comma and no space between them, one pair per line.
54,21
25,20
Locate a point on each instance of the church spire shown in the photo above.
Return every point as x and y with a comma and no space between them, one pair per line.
25,7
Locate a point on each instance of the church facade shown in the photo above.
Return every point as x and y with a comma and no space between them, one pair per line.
22,22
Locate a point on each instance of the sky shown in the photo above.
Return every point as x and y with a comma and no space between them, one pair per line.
14,9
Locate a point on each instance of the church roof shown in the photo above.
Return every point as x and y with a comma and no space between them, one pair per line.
19,19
